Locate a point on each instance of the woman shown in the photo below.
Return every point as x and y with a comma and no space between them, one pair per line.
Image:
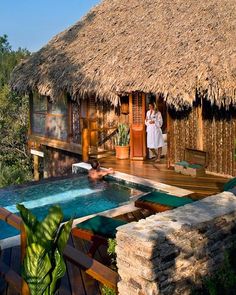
155,139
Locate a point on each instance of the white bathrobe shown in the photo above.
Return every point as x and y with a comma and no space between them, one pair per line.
154,132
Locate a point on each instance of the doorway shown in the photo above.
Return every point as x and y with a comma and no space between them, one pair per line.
160,104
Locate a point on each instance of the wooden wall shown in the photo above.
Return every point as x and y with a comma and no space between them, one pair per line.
219,142
217,139
58,162
182,133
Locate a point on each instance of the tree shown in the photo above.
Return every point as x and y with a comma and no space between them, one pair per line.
14,159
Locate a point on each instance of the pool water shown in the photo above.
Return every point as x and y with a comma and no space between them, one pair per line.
77,197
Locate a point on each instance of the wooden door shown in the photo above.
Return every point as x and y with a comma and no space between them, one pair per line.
137,126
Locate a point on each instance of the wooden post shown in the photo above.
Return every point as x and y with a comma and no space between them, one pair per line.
85,144
144,127
23,238
168,139
69,121
199,128
131,124
36,167
30,114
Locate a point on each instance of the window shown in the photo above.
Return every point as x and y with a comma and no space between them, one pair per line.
50,118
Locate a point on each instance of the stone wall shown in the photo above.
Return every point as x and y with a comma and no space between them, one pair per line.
169,252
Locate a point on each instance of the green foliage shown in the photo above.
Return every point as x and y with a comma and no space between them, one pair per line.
111,246
112,253
9,59
224,280
14,121
108,291
13,175
122,136
43,264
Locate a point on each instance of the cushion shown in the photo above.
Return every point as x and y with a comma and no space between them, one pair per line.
165,199
233,190
101,225
195,166
182,163
230,184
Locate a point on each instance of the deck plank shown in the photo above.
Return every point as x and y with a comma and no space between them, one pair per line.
90,285
5,258
75,276
15,265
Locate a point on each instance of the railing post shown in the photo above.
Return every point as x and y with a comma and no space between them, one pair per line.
36,167
85,144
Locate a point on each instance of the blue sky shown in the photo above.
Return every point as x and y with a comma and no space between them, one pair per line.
32,23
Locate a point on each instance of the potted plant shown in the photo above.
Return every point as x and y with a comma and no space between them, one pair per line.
122,142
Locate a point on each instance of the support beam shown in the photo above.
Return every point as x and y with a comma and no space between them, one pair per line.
199,128
36,167
85,145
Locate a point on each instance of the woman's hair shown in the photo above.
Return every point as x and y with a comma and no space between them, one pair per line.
151,103
95,164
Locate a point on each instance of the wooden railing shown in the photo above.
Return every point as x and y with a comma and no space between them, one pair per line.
92,267
91,141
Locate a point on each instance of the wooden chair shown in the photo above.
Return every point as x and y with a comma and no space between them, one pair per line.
97,230
92,267
159,201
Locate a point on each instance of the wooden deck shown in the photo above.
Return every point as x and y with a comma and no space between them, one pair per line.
205,185
76,281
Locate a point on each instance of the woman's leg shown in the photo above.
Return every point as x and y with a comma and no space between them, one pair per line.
154,153
159,151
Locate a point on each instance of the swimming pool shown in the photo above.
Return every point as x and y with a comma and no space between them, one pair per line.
77,197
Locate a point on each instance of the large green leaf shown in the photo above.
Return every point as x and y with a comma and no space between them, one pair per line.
36,267
43,264
46,231
30,222
63,235
58,271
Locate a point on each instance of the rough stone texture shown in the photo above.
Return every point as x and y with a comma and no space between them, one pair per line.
169,252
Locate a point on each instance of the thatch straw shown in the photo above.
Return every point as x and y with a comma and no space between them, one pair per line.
165,46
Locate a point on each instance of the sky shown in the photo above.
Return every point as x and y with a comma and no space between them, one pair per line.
31,24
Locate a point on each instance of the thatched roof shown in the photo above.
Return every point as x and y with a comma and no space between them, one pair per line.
167,46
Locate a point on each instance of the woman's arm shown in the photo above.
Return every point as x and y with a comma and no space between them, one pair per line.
159,120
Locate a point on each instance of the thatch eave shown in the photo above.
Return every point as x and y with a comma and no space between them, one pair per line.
154,46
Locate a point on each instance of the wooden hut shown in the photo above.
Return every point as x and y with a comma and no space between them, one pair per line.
182,53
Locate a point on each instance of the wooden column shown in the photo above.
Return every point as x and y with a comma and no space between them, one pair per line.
30,113
23,238
199,128
168,163
85,144
70,122
144,127
36,167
